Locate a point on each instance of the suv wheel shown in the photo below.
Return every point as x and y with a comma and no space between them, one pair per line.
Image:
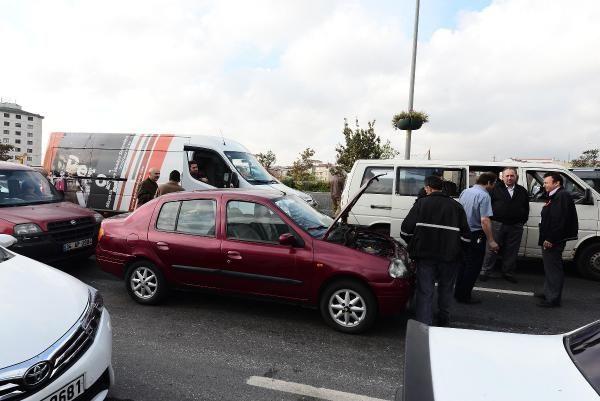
588,262
348,306
145,283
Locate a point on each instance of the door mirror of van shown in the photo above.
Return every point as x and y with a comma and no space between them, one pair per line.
287,239
7,240
235,181
587,198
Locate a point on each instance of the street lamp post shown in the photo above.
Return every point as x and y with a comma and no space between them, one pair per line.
412,79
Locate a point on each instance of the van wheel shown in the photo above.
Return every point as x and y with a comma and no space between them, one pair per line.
588,262
348,306
145,283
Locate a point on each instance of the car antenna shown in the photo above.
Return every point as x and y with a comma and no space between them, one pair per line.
221,132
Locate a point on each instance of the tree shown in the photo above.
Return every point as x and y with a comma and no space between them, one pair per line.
267,159
301,170
589,158
362,144
4,149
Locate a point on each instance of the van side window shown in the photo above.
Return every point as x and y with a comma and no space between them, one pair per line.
535,186
411,180
385,183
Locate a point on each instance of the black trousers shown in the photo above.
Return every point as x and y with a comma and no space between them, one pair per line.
508,236
554,272
469,271
427,273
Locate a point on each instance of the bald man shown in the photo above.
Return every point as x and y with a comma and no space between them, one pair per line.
148,187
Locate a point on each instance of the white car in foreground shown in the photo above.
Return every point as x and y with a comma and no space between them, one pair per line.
55,334
444,364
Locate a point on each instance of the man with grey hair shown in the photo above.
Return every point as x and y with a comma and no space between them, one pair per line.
510,204
148,187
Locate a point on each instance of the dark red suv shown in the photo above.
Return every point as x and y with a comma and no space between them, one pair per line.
260,243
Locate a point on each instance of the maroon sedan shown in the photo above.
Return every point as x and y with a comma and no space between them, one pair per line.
259,243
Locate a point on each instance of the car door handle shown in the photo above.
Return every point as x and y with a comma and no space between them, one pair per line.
233,255
381,207
163,246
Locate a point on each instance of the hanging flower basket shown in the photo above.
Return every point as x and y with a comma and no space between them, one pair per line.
412,120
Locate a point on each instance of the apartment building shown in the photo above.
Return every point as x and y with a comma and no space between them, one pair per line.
23,130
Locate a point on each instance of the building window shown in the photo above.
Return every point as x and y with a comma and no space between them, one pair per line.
18,133
18,125
29,118
5,140
18,116
29,142
6,124
6,115
30,135
17,141
30,126
29,159
6,132
17,149
29,150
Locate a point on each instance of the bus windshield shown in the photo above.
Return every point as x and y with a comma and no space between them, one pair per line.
25,187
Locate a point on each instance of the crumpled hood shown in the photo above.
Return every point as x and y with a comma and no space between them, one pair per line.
38,305
483,365
44,213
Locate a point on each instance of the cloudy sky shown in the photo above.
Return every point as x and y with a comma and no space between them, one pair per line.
499,78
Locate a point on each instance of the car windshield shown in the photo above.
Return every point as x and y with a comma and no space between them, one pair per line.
249,168
24,187
584,349
310,220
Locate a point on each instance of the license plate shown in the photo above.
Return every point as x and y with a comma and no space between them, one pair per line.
77,244
68,392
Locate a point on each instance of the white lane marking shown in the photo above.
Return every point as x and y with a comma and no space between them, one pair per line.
306,390
511,292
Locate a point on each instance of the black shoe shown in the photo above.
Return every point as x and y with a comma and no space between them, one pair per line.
470,301
548,304
484,277
539,295
510,279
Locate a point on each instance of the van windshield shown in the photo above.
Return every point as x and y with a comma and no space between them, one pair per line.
249,168
24,187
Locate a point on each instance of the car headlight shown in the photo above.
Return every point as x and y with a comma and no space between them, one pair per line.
98,217
397,268
97,300
27,229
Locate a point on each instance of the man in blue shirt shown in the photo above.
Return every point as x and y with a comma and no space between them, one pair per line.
478,206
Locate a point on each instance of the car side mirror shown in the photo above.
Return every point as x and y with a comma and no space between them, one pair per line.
587,198
287,239
235,181
7,240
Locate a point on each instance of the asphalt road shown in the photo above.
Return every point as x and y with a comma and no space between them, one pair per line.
201,346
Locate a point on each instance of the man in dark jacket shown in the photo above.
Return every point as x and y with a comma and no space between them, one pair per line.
510,204
559,224
435,229
148,187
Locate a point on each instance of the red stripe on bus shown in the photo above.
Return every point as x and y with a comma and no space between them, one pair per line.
143,171
53,143
131,161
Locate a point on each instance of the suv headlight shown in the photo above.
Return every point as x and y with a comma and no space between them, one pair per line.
98,217
397,268
27,229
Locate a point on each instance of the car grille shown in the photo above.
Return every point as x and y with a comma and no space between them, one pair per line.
64,231
61,355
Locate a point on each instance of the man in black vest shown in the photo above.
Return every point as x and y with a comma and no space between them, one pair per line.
559,225
435,228
510,203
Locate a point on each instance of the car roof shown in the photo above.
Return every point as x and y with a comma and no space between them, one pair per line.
452,163
14,166
233,192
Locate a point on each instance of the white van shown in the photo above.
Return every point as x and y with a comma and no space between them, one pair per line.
104,171
386,203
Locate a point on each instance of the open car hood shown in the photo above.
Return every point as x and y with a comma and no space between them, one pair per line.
343,215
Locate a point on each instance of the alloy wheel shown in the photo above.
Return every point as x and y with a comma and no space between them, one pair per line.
347,308
143,282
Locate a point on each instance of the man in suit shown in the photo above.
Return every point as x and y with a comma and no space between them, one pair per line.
510,205
559,224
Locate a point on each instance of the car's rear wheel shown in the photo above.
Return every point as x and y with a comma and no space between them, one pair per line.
348,306
588,262
146,283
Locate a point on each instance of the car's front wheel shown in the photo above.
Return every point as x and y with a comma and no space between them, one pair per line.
348,306
146,283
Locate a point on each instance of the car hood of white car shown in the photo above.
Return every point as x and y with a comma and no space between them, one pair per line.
480,365
38,305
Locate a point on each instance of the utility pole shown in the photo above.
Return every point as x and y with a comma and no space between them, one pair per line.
412,79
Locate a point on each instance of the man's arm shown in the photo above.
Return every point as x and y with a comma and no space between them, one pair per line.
485,211
407,230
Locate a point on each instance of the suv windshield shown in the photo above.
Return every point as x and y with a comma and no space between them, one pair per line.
305,216
25,187
584,349
249,168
